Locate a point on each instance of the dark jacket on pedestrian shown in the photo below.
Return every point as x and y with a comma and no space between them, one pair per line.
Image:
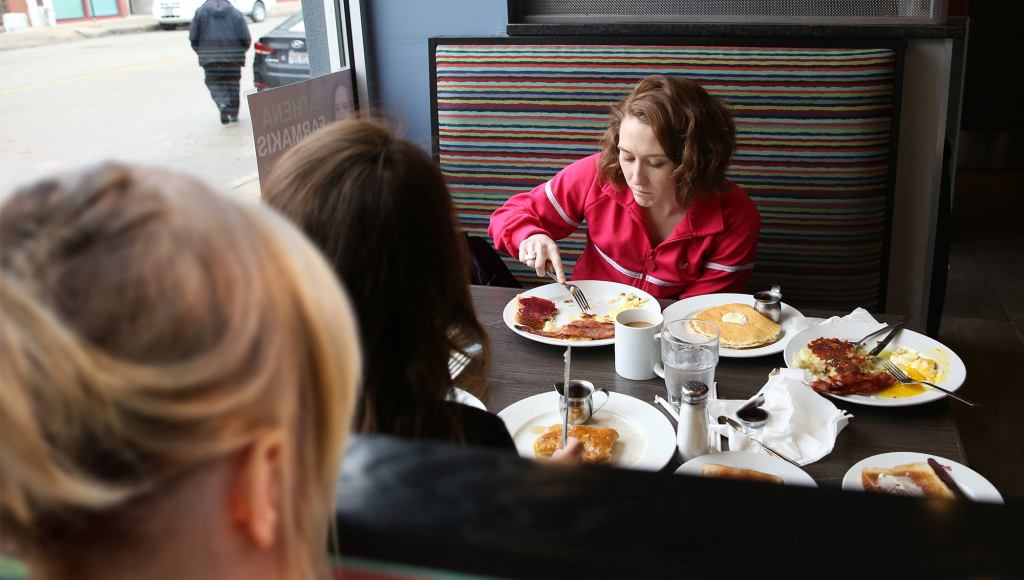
219,34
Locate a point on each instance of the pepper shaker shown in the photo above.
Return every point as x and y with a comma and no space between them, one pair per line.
692,434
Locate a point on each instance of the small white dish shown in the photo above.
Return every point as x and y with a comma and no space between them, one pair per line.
974,485
949,363
790,474
647,439
600,294
686,307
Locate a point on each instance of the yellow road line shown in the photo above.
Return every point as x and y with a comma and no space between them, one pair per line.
96,75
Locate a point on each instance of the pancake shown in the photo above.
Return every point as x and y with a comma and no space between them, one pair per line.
741,325
597,442
718,470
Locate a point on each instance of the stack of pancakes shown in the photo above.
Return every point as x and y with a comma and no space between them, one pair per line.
741,326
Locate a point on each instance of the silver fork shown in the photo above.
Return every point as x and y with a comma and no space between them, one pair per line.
898,374
577,294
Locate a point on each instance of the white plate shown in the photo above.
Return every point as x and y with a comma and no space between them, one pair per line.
598,294
686,307
646,438
949,362
459,396
974,485
790,474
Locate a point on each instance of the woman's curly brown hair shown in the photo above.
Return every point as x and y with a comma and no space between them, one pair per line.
695,129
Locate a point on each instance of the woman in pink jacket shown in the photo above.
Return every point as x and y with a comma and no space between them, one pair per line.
661,215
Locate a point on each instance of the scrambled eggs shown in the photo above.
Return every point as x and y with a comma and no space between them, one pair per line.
621,301
627,302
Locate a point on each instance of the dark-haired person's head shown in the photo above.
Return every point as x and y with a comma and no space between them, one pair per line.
178,375
695,130
379,209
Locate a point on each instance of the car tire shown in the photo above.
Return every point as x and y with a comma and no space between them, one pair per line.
167,26
259,12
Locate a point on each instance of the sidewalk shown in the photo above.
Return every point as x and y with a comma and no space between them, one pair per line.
30,37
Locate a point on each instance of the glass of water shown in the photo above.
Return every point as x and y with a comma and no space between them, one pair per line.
689,352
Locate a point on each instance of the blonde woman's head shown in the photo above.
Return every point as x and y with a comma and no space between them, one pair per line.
170,360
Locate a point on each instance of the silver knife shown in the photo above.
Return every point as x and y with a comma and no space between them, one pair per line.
565,393
885,341
732,423
947,479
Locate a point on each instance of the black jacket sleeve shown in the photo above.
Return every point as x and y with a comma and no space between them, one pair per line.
242,32
195,30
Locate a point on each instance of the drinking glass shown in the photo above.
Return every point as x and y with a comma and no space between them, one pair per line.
689,352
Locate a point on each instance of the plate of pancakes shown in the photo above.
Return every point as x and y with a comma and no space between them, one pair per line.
745,332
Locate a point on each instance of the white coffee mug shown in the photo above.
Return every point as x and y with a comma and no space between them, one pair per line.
635,349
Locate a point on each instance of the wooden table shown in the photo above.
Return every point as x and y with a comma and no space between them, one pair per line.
521,367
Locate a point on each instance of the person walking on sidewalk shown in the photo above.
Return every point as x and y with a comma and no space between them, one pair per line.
220,37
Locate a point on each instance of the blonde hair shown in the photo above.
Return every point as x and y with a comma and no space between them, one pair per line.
150,328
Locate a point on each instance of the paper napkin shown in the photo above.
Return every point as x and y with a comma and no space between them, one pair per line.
802,425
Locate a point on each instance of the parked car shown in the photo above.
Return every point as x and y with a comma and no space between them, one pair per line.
281,57
170,13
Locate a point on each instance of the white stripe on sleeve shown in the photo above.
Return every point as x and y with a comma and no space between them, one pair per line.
724,268
558,208
629,273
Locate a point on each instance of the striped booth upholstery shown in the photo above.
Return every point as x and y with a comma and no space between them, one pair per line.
815,132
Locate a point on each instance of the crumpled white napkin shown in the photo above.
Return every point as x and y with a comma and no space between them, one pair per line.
856,315
802,425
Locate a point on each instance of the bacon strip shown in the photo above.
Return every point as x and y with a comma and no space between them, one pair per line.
583,329
851,374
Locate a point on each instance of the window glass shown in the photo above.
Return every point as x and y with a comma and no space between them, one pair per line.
123,80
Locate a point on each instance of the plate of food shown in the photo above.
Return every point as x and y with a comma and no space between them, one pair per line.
745,332
748,466
908,473
549,314
826,353
626,432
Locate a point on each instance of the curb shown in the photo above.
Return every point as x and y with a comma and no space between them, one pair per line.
56,35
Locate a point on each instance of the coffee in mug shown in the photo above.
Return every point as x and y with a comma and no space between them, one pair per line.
639,324
635,351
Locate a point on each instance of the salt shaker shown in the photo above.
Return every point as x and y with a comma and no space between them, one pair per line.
692,436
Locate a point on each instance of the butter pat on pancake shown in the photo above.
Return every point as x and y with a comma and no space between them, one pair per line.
741,325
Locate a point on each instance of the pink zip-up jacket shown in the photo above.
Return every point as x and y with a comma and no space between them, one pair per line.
711,250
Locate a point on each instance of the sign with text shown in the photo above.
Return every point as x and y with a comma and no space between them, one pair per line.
281,117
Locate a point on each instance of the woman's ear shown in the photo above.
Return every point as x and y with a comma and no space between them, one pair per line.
256,490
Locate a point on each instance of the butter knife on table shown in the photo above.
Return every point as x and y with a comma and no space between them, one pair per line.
947,479
739,429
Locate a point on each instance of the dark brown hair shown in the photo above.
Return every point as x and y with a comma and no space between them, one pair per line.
695,130
379,209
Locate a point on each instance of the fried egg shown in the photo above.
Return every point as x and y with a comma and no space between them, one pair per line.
917,366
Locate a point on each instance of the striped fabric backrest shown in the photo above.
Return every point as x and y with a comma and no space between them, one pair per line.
814,142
